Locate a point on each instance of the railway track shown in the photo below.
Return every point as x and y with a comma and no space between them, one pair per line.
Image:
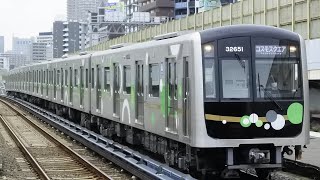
47,157
137,164
302,169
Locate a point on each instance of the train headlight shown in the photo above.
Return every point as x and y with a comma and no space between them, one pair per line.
293,49
208,48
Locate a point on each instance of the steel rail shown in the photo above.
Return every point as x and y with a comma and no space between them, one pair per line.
65,148
32,161
132,161
301,168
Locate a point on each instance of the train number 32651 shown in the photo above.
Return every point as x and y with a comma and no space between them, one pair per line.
234,49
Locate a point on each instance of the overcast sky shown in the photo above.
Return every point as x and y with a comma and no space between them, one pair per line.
25,18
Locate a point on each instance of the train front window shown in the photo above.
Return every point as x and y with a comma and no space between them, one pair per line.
278,78
277,65
235,78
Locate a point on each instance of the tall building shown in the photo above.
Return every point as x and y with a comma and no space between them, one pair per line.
39,51
1,44
68,37
45,37
71,37
43,48
22,47
58,39
131,6
77,9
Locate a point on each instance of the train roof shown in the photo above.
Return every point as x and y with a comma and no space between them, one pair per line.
247,30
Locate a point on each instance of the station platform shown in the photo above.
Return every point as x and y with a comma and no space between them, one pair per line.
311,154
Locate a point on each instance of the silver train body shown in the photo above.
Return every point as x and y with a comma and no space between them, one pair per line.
154,94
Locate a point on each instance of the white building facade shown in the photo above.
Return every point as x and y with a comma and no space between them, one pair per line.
77,9
22,47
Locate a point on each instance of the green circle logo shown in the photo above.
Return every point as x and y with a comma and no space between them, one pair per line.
245,122
295,113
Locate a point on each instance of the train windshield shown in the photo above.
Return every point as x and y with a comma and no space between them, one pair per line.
252,68
278,72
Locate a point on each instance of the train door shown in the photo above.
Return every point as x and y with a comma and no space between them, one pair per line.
98,88
47,82
81,86
55,83
43,75
116,85
62,85
71,86
140,93
172,100
186,98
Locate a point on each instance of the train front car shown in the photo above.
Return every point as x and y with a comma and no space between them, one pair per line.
255,92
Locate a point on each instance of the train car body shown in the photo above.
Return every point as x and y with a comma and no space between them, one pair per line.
218,100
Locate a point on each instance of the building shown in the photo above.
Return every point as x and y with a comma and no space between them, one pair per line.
4,62
183,8
39,51
45,37
1,44
68,37
77,9
43,48
58,39
14,60
22,47
71,37
157,8
131,7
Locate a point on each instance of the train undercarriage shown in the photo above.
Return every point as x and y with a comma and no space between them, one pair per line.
199,162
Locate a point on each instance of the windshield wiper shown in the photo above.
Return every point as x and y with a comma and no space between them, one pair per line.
242,63
269,96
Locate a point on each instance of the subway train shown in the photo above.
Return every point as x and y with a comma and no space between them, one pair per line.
209,102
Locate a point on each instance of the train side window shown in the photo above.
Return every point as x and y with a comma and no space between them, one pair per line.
58,78
87,78
51,77
55,79
76,77
92,78
127,80
66,77
99,78
107,78
45,77
154,80
71,77
81,77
